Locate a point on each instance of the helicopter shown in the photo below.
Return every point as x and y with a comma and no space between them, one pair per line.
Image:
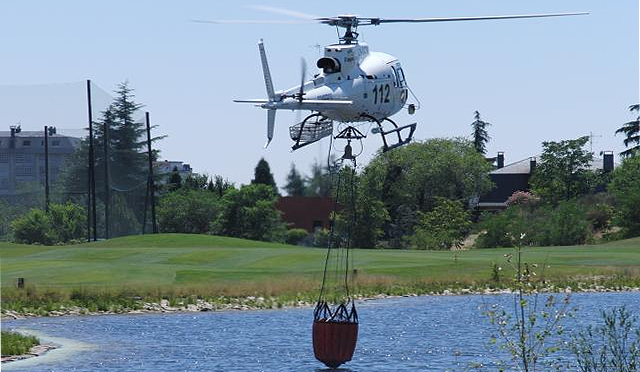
354,84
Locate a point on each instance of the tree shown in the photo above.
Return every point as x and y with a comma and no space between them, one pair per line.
219,185
625,185
631,130
479,134
263,175
319,183
129,158
128,172
410,179
443,227
196,181
563,172
175,180
188,211
250,213
295,184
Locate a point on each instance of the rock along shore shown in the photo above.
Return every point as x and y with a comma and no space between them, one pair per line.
261,303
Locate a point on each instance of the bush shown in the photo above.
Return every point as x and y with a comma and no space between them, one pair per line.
321,238
295,236
33,228
64,223
68,221
567,225
188,211
443,227
250,213
544,225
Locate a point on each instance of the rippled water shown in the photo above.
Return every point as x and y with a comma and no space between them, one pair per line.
429,333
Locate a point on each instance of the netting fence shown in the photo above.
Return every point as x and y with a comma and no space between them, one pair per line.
49,153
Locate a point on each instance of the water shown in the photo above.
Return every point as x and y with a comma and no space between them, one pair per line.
429,333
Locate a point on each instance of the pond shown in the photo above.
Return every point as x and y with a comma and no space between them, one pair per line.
434,333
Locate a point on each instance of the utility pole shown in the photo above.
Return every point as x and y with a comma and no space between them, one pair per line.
107,196
46,168
91,201
152,189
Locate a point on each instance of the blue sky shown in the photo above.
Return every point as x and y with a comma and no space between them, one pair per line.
533,79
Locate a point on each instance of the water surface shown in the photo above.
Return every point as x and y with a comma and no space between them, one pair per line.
428,333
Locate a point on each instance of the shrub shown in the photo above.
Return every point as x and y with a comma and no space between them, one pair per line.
443,227
67,221
523,198
543,225
33,228
567,225
295,236
250,213
321,238
64,223
188,211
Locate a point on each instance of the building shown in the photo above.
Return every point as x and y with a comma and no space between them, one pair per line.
515,177
306,212
166,167
22,158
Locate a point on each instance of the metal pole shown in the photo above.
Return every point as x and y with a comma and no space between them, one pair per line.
46,168
107,196
92,173
89,166
152,189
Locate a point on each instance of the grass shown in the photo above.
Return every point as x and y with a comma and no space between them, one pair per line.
183,265
17,344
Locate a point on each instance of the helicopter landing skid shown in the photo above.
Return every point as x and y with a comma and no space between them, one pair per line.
312,129
396,129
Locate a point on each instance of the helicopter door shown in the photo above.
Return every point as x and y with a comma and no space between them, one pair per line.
400,84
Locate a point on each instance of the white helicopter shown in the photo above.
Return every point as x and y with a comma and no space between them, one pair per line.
355,85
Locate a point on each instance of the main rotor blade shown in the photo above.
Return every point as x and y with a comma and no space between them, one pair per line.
376,21
287,12
247,21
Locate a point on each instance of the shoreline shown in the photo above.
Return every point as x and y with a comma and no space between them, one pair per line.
35,351
260,303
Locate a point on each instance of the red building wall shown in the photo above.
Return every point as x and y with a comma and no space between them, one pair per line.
306,212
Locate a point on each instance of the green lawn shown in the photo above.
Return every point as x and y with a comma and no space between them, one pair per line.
181,260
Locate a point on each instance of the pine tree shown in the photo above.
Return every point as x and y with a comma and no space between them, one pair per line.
129,159
631,130
175,180
295,184
479,134
319,184
263,175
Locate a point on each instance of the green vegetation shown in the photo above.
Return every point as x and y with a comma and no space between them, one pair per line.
150,267
631,130
63,223
625,186
17,344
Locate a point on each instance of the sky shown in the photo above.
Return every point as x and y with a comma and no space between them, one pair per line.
534,80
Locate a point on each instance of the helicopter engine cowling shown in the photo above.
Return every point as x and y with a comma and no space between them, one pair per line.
328,65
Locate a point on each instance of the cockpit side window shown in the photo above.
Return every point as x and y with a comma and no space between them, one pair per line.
400,76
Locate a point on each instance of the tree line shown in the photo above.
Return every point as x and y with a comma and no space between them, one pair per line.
418,196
